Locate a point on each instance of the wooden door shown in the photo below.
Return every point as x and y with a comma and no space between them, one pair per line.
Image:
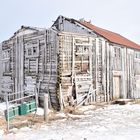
137,87
116,94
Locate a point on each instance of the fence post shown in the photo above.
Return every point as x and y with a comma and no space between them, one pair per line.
46,107
61,97
36,97
7,115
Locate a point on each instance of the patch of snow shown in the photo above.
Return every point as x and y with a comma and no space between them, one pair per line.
40,111
75,116
3,107
128,100
14,130
1,134
61,115
86,108
115,122
24,129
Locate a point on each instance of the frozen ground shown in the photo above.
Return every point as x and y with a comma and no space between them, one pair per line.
114,122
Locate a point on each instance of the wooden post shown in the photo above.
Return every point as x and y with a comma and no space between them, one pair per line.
107,70
73,59
111,79
46,107
21,66
36,97
61,97
7,115
97,57
124,73
90,57
104,69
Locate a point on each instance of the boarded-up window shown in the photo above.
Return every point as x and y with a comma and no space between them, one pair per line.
137,68
32,49
32,67
66,55
137,63
6,61
137,55
117,62
6,66
29,51
31,57
6,54
117,52
82,59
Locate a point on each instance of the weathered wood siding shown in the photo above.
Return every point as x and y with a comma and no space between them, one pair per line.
65,62
6,82
112,63
137,74
29,62
41,64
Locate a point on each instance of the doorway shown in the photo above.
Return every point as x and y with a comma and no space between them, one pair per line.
116,93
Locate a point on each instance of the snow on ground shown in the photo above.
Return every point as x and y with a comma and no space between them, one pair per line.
40,111
3,107
114,122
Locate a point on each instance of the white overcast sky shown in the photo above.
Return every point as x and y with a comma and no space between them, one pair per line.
121,16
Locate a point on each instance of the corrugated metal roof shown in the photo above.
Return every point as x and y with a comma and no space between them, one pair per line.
111,36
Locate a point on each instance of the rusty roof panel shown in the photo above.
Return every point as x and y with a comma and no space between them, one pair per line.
111,36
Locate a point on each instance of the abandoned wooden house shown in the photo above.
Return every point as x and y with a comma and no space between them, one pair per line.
74,62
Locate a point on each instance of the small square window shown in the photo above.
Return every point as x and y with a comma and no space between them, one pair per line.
29,52
117,52
34,50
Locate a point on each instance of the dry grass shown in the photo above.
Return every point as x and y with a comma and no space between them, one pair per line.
69,109
136,101
22,121
29,120
2,122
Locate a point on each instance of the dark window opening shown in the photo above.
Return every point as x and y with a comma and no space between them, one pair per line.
34,50
117,52
29,52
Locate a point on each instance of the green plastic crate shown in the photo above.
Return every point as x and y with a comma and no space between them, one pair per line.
14,111
27,107
11,115
32,106
23,109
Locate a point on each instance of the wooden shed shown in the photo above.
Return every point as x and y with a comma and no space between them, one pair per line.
74,62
